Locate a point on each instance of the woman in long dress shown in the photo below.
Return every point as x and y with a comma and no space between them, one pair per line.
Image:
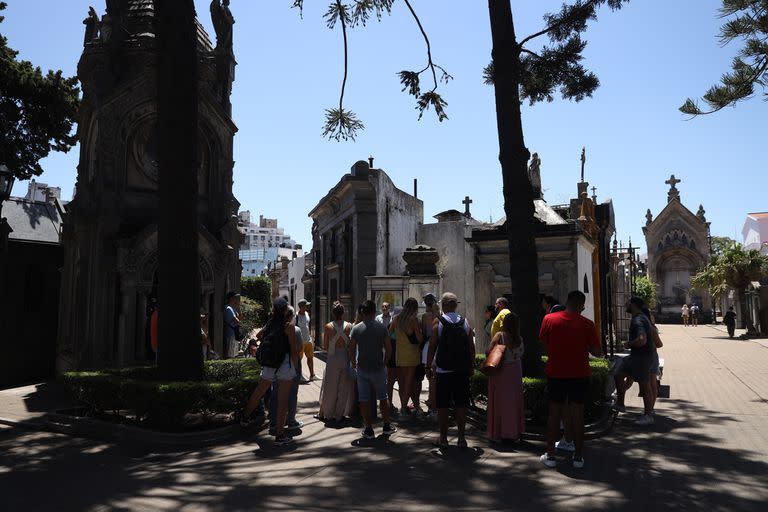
336,391
506,417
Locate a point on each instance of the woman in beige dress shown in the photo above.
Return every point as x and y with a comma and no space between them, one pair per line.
336,391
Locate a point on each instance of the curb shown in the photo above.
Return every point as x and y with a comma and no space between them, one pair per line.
104,431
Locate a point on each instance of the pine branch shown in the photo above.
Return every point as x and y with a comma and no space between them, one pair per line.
411,79
341,124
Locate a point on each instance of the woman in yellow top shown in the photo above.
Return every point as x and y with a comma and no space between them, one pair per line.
407,354
502,310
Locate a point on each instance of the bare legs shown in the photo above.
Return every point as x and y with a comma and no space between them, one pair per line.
405,378
365,411
570,414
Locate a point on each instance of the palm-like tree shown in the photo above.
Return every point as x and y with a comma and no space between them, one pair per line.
734,269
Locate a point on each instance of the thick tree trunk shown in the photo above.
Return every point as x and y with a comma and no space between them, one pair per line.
518,194
179,354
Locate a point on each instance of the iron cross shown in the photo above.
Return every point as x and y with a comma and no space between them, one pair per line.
466,202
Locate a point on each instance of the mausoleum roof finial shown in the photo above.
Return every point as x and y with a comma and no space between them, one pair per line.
673,192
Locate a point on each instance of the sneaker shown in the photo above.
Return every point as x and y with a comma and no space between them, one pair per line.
295,425
548,461
645,419
578,463
389,429
283,440
566,446
368,433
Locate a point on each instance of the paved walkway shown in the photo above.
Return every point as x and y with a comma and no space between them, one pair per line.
707,450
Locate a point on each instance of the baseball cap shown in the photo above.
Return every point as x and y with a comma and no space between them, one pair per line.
232,294
430,296
449,297
304,302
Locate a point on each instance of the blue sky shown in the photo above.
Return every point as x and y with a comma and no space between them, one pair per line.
649,57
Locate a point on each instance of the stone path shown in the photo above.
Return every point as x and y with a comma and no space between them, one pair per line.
707,450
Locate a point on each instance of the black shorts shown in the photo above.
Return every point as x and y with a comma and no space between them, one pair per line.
637,366
568,390
452,390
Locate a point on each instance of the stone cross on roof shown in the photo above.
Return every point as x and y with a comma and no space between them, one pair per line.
673,192
594,194
466,202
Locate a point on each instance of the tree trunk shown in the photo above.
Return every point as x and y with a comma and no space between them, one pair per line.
518,194
179,353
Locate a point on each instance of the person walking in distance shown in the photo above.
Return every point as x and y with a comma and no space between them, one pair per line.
231,324
729,319
639,362
569,338
278,355
369,348
685,312
336,390
694,311
308,346
408,338
506,416
453,351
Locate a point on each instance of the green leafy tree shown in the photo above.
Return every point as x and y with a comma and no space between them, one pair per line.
520,70
721,243
736,268
745,20
37,112
259,290
646,289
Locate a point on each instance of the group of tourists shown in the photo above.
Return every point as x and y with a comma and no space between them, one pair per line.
366,358
690,315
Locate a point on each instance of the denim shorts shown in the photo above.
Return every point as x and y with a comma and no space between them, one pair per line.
285,372
376,379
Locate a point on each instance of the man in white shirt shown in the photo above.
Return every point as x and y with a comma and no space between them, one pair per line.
302,322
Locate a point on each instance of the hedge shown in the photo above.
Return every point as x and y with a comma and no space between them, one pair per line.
225,389
534,389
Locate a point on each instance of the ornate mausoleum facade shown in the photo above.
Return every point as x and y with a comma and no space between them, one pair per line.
678,247
109,278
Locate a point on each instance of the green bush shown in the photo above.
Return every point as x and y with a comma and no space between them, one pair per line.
259,290
225,389
534,389
251,315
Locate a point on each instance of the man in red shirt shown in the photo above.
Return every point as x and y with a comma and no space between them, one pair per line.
569,338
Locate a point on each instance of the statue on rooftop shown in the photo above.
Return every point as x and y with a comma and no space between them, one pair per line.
534,175
222,20
91,26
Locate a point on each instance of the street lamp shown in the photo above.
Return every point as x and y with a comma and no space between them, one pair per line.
6,185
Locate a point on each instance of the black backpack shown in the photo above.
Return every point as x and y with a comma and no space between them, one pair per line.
453,346
273,348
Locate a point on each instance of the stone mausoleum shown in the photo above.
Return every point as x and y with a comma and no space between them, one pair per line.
678,247
109,276
371,242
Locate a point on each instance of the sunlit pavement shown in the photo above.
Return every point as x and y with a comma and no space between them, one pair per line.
707,450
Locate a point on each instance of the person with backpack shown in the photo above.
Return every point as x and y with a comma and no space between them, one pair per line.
278,356
336,392
293,424
453,352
